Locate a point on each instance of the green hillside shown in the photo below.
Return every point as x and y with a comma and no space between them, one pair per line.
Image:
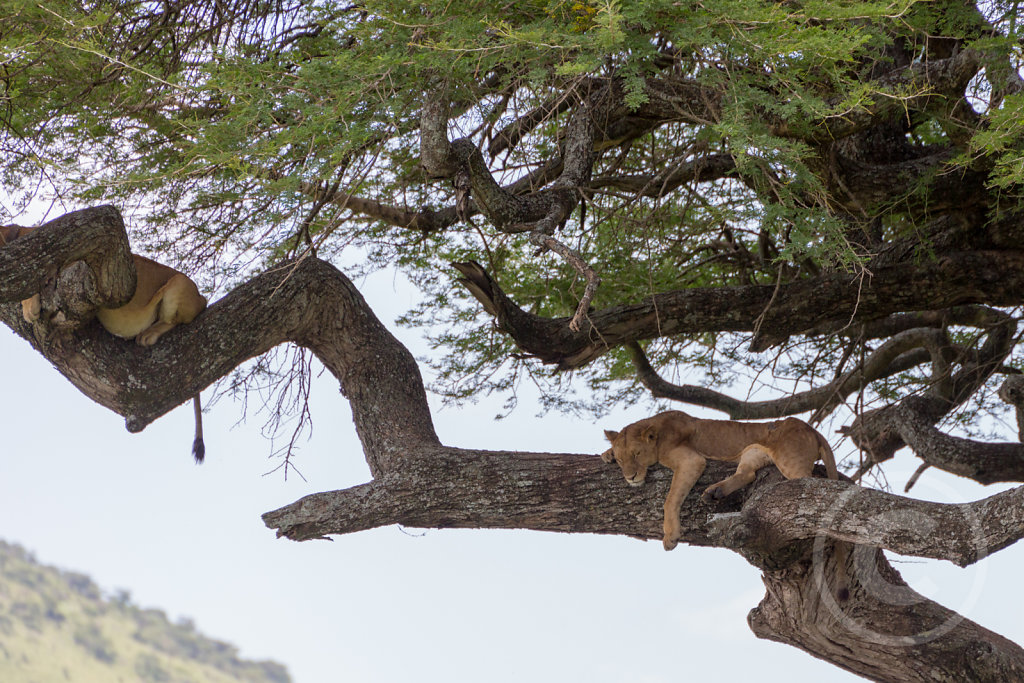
56,626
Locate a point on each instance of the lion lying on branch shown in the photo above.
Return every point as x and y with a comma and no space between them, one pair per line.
683,443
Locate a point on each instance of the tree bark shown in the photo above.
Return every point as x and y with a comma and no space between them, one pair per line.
990,277
785,528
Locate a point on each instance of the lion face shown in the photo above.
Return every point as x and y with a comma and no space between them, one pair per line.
635,450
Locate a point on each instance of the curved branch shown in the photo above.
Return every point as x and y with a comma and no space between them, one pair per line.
308,302
95,236
985,463
931,643
883,431
588,274
896,355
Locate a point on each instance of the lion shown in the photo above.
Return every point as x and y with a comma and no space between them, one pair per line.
163,299
683,443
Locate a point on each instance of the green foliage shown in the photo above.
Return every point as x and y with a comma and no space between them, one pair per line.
230,133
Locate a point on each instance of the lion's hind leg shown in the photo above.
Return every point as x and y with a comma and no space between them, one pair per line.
752,458
177,302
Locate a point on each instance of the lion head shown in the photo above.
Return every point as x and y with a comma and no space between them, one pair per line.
635,449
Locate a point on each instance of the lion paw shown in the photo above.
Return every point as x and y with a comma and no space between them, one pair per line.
31,309
669,543
713,492
146,339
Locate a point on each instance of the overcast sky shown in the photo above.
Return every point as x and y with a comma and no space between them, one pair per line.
392,605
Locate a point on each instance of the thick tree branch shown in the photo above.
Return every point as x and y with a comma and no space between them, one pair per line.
931,185
94,236
956,278
457,488
780,527
883,431
806,509
307,302
909,638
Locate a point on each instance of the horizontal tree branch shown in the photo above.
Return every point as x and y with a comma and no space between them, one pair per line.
457,488
962,533
700,169
993,278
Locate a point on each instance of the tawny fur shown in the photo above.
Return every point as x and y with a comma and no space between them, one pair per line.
163,299
684,443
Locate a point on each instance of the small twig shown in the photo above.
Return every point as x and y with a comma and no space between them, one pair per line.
573,259
861,471
760,319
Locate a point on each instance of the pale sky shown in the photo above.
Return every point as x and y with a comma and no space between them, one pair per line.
392,605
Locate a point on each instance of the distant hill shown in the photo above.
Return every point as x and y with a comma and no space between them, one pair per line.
56,626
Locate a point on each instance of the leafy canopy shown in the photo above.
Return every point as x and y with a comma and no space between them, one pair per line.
240,132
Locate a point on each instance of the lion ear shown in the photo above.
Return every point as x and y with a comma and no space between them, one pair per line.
610,435
608,455
650,434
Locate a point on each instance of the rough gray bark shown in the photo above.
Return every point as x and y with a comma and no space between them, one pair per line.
784,528
991,277
307,302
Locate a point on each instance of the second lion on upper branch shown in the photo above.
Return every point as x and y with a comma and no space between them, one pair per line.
683,443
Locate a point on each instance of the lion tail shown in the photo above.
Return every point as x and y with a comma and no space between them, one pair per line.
827,457
198,445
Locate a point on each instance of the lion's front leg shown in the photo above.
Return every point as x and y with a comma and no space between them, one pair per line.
687,465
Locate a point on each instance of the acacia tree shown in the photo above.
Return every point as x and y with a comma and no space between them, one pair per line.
826,194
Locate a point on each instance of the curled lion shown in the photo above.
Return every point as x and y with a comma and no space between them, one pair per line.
164,298
683,443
